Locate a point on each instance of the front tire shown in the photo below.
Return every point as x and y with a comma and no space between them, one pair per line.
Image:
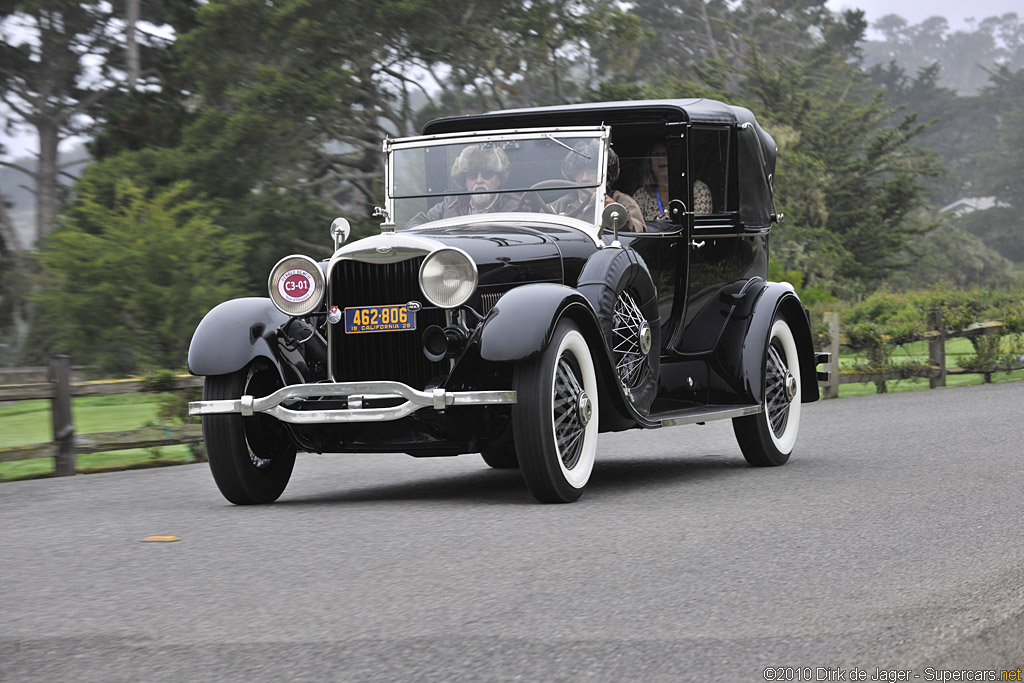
501,457
555,420
767,439
251,458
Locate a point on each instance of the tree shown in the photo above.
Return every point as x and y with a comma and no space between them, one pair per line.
963,56
13,279
310,114
708,41
1000,165
127,284
952,255
277,133
849,180
58,60
959,126
1004,172
9,241
848,173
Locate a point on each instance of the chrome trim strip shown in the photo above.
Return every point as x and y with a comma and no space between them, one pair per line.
492,136
711,415
438,399
388,247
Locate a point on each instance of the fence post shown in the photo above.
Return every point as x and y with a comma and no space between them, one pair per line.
831,390
937,351
63,427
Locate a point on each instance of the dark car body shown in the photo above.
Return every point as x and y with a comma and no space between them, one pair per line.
679,321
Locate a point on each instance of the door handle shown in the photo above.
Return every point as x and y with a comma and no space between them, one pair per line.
696,245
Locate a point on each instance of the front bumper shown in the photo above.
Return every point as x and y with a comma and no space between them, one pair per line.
355,393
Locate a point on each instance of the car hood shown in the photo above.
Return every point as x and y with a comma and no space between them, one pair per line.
508,249
507,254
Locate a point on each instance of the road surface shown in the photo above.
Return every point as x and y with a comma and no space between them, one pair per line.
893,540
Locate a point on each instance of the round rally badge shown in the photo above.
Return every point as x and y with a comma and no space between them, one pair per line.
296,285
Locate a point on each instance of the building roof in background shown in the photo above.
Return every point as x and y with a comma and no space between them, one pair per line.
971,204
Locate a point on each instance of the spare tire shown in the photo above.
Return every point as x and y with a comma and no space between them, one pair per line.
618,285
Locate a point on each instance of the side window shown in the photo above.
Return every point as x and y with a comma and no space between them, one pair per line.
712,171
647,170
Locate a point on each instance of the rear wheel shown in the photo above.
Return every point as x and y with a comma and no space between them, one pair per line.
555,419
767,439
251,457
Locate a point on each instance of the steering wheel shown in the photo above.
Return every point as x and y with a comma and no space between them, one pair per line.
532,201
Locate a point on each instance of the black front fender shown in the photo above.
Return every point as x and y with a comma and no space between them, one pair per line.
236,332
521,323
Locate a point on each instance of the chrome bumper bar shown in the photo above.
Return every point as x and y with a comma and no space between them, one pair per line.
356,393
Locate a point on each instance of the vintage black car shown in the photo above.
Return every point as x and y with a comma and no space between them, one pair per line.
510,307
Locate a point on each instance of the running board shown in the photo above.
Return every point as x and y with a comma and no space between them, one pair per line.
704,414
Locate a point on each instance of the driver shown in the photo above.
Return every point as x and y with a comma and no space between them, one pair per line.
579,167
480,170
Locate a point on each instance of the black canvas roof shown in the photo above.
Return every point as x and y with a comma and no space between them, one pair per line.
756,148
696,110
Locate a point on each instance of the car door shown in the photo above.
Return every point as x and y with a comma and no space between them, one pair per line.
664,246
722,257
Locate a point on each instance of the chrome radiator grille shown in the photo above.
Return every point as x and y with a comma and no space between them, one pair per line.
488,299
394,356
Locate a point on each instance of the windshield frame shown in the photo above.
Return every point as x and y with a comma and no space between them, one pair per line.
601,133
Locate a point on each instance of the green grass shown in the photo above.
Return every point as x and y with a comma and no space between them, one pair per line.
28,422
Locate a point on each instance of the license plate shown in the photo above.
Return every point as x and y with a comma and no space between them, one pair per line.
397,318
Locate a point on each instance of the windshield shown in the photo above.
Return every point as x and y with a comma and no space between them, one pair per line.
550,171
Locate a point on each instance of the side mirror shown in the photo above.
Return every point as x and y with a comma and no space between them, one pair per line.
614,217
340,230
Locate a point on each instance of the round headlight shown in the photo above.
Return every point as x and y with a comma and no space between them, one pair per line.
448,277
296,285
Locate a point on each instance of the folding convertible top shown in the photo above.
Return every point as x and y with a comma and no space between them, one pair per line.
756,150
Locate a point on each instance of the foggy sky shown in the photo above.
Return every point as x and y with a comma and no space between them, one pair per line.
916,11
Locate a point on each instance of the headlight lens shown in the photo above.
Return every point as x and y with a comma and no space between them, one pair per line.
448,278
296,285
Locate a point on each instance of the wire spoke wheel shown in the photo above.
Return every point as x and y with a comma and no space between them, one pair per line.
555,420
567,418
631,340
767,439
776,398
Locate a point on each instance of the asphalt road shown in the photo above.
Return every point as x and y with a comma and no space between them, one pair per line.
893,540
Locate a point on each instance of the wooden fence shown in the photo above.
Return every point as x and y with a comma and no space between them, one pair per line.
66,444
936,370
